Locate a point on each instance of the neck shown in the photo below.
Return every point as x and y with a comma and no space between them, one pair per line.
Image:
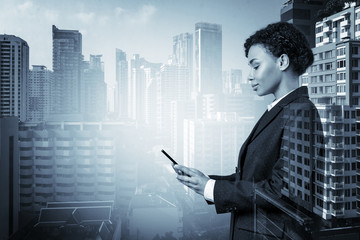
287,85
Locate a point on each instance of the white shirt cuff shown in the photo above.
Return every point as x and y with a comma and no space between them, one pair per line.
209,190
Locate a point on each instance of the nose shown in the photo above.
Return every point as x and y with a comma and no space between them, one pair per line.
251,75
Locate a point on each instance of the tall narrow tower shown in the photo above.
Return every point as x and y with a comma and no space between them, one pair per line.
208,58
121,93
67,58
14,68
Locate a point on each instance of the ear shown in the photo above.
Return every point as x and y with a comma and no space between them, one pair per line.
283,62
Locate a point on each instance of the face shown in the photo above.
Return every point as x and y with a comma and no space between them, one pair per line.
265,75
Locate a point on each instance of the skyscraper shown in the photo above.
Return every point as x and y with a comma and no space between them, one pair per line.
93,89
67,58
208,58
121,91
14,58
137,86
38,93
183,54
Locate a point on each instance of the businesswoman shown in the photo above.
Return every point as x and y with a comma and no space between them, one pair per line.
277,56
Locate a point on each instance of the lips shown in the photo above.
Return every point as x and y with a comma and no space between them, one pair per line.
255,86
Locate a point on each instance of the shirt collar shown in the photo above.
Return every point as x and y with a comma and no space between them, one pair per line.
276,101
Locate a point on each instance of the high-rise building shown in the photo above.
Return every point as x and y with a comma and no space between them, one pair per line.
38,93
9,177
14,70
303,15
137,86
67,60
333,82
183,54
74,161
121,91
173,85
208,58
93,89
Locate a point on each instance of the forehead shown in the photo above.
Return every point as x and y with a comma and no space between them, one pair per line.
258,51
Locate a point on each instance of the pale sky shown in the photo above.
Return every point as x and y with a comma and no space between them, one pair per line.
134,26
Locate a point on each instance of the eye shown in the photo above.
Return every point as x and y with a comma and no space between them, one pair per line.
256,67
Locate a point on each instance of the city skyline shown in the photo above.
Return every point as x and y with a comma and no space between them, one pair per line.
136,27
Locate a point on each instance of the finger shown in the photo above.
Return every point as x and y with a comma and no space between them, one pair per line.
184,169
190,180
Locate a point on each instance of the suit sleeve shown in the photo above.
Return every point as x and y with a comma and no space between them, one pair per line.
238,195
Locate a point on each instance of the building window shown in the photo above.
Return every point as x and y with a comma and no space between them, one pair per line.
328,66
355,75
355,63
340,51
341,63
355,50
314,90
340,88
329,89
328,77
328,54
319,29
319,39
341,76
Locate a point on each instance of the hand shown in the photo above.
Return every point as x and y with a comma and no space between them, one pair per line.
192,178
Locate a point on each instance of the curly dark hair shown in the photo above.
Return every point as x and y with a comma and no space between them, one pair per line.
283,38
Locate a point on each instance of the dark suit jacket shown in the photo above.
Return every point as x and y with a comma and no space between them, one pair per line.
259,165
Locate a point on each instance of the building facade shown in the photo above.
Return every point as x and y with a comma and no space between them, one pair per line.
303,14
121,91
9,176
333,82
73,161
67,60
208,58
14,74
38,93
93,89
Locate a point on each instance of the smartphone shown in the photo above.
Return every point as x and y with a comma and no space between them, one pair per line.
171,159
174,162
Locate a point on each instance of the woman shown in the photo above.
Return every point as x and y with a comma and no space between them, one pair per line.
277,55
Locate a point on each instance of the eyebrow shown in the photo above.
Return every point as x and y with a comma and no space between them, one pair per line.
251,61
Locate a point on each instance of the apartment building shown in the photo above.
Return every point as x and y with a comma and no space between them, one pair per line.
333,82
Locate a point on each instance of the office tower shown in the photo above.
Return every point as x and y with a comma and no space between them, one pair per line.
151,78
173,85
208,58
93,89
67,59
137,86
38,93
183,54
232,81
9,176
303,14
333,82
183,49
14,69
121,91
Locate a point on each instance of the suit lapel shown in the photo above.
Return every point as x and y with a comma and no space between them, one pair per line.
299,92
267,117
